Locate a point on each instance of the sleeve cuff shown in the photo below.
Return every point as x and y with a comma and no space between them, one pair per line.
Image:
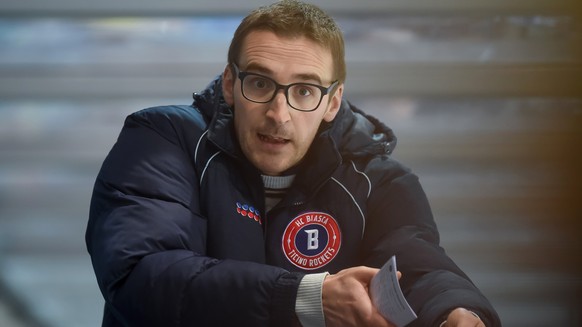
308,305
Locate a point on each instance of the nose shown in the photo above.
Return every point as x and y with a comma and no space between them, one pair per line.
279,109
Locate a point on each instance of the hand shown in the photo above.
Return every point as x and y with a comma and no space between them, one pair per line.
346,301
462,318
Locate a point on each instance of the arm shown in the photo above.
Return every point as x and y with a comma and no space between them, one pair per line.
147,239
400,222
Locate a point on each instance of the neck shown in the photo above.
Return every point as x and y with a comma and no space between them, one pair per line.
275,189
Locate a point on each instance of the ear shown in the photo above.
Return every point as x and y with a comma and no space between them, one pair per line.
334,104
228,85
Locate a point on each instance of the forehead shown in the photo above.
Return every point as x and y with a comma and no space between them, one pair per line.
284,56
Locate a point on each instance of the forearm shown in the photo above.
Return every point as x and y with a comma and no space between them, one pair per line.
437,293
197,290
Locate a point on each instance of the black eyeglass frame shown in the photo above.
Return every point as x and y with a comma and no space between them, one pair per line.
324,90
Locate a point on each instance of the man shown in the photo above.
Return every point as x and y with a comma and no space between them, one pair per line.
270,201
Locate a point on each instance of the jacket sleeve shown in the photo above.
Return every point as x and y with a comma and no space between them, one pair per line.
401,223
146,238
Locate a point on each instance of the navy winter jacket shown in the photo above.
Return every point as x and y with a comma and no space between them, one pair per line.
178,234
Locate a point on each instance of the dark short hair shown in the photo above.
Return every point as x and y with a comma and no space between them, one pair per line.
290,18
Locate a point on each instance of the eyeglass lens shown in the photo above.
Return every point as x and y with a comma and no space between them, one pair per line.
300,96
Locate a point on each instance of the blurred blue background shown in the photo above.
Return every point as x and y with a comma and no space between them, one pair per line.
485,97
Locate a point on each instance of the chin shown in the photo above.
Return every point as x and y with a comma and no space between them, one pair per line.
272,170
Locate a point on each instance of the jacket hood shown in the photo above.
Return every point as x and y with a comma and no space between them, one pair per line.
353,132
219,116
210,100
359,134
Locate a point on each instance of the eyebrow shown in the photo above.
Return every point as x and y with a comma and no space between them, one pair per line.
302,76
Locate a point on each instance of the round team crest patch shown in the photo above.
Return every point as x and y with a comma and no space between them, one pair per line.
311,240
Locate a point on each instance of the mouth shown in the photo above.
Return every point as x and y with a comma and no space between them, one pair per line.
272,139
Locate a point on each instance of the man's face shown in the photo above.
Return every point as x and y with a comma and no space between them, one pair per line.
273,135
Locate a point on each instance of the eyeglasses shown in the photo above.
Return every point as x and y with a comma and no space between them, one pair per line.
300,96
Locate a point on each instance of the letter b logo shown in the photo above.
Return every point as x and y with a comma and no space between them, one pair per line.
312,239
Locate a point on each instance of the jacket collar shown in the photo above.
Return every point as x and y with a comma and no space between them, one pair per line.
352,134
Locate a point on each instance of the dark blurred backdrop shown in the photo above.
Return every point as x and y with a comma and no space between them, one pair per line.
484,95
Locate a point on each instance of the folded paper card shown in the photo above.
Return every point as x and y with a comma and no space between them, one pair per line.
388,298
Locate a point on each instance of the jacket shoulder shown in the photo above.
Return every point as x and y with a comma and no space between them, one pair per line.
163,117
380,167
179,124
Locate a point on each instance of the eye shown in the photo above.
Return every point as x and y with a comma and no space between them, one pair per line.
260,83
304,91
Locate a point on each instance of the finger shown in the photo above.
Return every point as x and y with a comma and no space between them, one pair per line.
362,273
